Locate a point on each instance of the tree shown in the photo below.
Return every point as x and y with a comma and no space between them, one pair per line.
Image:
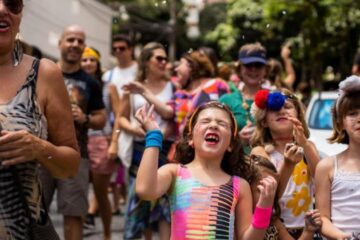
323,32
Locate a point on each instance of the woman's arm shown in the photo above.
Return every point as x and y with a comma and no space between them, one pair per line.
323,179
289,69
115,101
59,154
160,107
123,118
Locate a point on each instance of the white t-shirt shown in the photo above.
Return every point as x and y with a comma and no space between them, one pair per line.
121,76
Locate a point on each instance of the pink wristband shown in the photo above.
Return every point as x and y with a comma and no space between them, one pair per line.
262,217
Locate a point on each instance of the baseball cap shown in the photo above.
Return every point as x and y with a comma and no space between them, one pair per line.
246,56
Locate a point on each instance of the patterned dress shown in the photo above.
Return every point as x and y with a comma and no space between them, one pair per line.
22,112
202,212
184,103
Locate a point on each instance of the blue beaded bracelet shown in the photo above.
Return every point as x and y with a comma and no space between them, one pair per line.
154,138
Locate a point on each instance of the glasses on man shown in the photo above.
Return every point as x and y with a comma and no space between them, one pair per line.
14,6
119,49
161,59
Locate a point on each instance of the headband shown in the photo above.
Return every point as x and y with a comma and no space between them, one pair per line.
221,106
350,84
89,52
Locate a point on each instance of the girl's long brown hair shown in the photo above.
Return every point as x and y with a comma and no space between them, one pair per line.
233,162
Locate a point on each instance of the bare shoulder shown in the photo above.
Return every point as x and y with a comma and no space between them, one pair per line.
170,168
259,150
49,67
50,74
244,188
325,167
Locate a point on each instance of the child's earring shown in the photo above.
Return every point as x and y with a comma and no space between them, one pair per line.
229,149
191,143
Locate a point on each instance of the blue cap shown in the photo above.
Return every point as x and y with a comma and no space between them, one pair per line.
246,57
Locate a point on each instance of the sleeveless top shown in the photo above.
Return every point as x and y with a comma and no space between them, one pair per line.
202,212
22,112
297,198
345,199
165,95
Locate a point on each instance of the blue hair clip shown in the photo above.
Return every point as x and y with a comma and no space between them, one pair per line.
275,101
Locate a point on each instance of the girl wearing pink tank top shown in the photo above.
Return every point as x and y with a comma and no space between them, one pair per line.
208,200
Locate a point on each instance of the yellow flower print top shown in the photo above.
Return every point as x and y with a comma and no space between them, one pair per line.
301,173
300,202
298,195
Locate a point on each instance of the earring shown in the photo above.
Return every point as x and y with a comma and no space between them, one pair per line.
17,53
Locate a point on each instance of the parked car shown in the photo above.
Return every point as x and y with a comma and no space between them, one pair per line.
319,119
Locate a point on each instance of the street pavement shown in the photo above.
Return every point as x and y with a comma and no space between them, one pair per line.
93,234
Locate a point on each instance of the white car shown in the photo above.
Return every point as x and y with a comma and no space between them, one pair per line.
319,119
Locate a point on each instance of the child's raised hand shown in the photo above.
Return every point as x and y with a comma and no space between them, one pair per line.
293,153
313,220
145,117
298,132
267,188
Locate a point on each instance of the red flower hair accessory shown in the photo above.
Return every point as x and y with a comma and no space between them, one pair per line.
261,98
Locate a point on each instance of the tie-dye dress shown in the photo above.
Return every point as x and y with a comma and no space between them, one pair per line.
202,212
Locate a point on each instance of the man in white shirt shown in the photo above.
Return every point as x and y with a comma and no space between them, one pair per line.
126,69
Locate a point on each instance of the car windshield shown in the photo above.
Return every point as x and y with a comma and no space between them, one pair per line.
320,115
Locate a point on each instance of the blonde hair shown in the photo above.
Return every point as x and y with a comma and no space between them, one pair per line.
262,136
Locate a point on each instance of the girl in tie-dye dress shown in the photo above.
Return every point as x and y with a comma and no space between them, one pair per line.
208,200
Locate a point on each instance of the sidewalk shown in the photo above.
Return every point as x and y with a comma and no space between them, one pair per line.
117,226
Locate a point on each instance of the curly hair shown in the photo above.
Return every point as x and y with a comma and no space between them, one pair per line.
262,136
200,64
233,162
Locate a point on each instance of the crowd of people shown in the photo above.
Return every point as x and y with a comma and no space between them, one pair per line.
203,151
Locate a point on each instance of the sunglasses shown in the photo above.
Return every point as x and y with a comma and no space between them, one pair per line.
14,6
120,49
161,59
254,65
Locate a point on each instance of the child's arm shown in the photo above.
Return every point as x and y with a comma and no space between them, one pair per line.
283,233
313,222
323,178
293,154
152,183
310,152
247,226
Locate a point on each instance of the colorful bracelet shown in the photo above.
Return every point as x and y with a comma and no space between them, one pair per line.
154,138
261,218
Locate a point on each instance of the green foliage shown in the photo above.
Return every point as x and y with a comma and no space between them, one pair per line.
322,32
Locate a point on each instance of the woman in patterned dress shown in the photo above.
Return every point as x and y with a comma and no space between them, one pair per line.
37,128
